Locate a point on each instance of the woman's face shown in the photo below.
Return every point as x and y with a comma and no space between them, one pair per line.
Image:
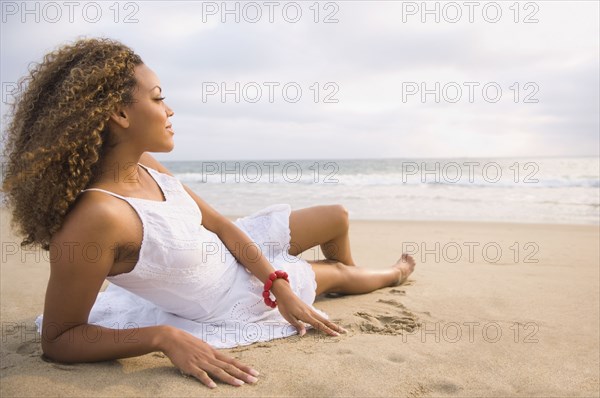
148,116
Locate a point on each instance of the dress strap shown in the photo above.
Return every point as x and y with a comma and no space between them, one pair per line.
105,191
145,167
148,169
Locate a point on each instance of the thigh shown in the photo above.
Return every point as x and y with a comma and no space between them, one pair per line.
314,226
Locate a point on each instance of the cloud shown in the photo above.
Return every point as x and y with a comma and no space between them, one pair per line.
367,56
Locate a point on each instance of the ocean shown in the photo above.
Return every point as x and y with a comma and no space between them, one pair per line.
527,190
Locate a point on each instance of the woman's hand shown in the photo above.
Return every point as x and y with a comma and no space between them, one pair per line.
195,357
296,311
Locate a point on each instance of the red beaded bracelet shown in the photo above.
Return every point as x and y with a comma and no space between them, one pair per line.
269,283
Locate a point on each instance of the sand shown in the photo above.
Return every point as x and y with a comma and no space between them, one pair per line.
471,323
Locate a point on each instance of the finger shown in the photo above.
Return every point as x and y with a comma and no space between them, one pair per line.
234,371
330,324
245,368
224,376
334,326
302,330
300,327
319,325
203,377
221,371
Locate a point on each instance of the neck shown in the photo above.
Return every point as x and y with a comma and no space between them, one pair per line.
119,167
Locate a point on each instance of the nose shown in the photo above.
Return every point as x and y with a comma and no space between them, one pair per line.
169,111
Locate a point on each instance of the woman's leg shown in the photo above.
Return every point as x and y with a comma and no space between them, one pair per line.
326,226
339,278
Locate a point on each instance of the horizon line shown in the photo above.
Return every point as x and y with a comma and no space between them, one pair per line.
386,158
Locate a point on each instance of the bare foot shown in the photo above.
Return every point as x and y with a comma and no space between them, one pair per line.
405,266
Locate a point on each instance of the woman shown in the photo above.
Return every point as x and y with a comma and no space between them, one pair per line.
80,183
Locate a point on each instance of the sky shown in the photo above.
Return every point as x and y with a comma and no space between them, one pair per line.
346,79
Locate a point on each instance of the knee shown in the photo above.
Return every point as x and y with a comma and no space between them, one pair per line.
341,215
341,279
341,268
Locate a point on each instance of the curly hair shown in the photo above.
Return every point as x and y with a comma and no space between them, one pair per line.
58,131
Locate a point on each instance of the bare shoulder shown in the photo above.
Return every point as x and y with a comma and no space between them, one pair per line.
81,256
94,214
148,160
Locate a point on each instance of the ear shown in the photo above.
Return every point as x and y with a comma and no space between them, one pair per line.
120,117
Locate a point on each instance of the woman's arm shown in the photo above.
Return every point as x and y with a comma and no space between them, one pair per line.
76,277
291,307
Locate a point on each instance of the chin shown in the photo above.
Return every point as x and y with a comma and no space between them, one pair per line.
162,149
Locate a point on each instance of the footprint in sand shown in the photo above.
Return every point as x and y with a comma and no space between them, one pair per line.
396,358
384,324
445,387
396,323
395,303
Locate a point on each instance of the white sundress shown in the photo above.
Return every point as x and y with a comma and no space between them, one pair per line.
187,278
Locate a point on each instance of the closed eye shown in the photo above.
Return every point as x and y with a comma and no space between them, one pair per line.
160,98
